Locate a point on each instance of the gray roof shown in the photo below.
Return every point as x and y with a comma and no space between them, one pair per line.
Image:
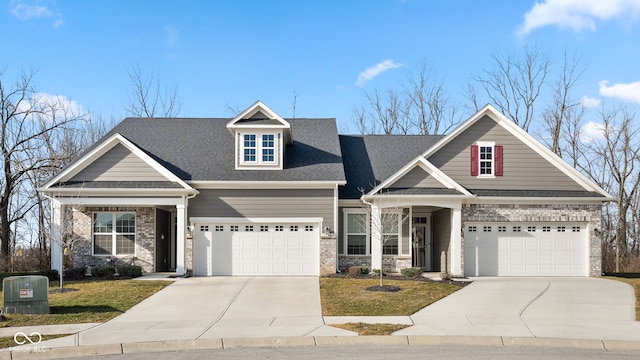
421,191
120,185
202,149
371,159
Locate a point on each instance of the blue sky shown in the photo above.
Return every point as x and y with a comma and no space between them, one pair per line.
221,54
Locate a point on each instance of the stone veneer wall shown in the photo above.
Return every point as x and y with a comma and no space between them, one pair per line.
589,213
189,255
145,238
328,254
390,263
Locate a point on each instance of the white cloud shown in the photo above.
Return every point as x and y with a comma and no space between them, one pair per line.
590,102
57,106
577,15
26,10
171,35
628,92
592,131
376,70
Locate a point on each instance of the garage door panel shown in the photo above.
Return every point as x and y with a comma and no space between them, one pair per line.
243,250
526,249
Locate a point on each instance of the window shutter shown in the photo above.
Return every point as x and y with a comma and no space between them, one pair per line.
498,160
474,160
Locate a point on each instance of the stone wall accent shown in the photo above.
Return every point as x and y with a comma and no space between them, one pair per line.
390,263
145,238
589,213
328,254
188,249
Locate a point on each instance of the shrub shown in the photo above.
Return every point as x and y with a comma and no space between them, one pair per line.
357,271
412,272
105,272
75,273
130,271
445,276
53,275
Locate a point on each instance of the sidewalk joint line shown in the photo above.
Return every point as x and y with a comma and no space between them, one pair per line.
226,309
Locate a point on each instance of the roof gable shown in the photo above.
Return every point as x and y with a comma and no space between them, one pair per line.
528,165
420,174
260,116
115,158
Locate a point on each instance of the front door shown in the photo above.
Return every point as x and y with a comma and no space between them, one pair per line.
421,244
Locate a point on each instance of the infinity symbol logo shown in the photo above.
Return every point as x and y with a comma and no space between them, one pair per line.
27,338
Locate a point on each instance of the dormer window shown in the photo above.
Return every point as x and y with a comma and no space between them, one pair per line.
259,148
260,138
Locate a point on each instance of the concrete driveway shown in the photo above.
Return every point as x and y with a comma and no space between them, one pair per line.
217,307
577,308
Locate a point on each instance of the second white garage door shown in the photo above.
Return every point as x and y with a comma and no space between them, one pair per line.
525,249
283,248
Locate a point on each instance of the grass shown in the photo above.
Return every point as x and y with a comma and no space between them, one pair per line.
635,282
371,329
90,301
348,297
7,342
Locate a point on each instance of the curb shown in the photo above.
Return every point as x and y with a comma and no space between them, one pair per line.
301,341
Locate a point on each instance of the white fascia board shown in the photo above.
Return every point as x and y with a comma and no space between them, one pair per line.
265,184
121,201
254,220
77,192
529,140
386,201
102,149
254,108
427,166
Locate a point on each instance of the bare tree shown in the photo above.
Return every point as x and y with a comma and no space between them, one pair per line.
513,83
420,107
619,149
149,98
563,107
26,120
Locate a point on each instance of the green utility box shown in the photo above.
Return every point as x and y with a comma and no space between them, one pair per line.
26,295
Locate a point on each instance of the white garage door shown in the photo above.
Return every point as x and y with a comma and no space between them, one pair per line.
525,249
283,248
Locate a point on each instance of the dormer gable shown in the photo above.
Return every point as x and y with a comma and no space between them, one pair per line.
260,136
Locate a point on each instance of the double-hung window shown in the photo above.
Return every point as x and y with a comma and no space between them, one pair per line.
114,233
390,233
486,160
259,148
356,233
249,148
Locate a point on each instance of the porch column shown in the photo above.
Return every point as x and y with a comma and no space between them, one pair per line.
455,253
56,235
181,238
376,238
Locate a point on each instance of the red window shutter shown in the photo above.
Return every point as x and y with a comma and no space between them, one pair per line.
498,160
474,160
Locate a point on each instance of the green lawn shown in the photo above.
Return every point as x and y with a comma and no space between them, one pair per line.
349,297
371,329
90,301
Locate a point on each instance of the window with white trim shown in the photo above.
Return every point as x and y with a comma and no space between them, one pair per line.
258,148
356,233
485,156
114,233
390,233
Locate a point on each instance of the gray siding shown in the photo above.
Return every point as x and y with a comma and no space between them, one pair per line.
118,164
441,239
406,236
417,177
523,168
275,203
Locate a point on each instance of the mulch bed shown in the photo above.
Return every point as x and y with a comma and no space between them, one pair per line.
398,277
